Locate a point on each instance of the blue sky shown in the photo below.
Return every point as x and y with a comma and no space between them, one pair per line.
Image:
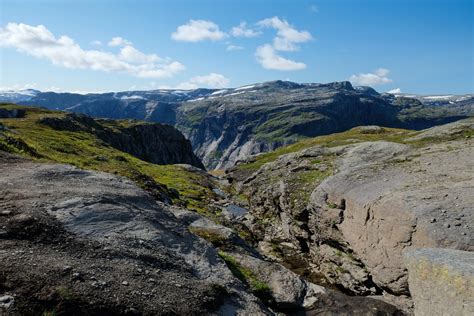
416,46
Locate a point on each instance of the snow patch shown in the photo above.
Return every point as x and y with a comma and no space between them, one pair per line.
244,87
235,93
219,92
126,97
438,97
194,100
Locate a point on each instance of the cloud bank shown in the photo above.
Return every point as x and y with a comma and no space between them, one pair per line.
63,51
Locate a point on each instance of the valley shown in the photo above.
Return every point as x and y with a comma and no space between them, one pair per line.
227,125
119,216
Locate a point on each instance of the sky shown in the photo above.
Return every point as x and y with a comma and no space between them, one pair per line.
408,46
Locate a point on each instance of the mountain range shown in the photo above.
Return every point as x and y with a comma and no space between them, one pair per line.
228,125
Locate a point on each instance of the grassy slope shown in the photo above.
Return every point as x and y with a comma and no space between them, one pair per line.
302,179
85,151
354,135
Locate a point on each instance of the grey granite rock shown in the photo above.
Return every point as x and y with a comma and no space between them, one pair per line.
441,281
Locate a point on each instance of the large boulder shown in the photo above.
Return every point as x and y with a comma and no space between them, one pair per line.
441,281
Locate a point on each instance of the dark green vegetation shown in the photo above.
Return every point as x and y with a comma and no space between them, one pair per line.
32,135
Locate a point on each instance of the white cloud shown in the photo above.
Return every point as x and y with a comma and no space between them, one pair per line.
286,39
18,87
131,54
96,43
118,41
212,80
39,42
269,59
378,77
314,8
243,31
198,30
231,47
287,36
395,91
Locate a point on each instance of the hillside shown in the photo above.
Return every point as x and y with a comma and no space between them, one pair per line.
129,148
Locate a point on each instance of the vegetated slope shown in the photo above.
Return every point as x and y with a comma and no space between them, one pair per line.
127,148
227,125
344,207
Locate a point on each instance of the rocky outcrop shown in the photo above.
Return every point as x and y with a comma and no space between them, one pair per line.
281,289
152,142
441,281
81,242
391,205
12,113
346,213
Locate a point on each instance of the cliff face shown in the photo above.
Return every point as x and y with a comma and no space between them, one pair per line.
151,142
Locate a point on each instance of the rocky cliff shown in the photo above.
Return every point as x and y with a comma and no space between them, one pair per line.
229,126
155,143
344,207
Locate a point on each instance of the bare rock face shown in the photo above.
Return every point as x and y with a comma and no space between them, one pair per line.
75,241
345,213
441,281
391,204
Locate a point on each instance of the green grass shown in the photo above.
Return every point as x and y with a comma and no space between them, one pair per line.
306,180
27,137
354,135
331,205
259,288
